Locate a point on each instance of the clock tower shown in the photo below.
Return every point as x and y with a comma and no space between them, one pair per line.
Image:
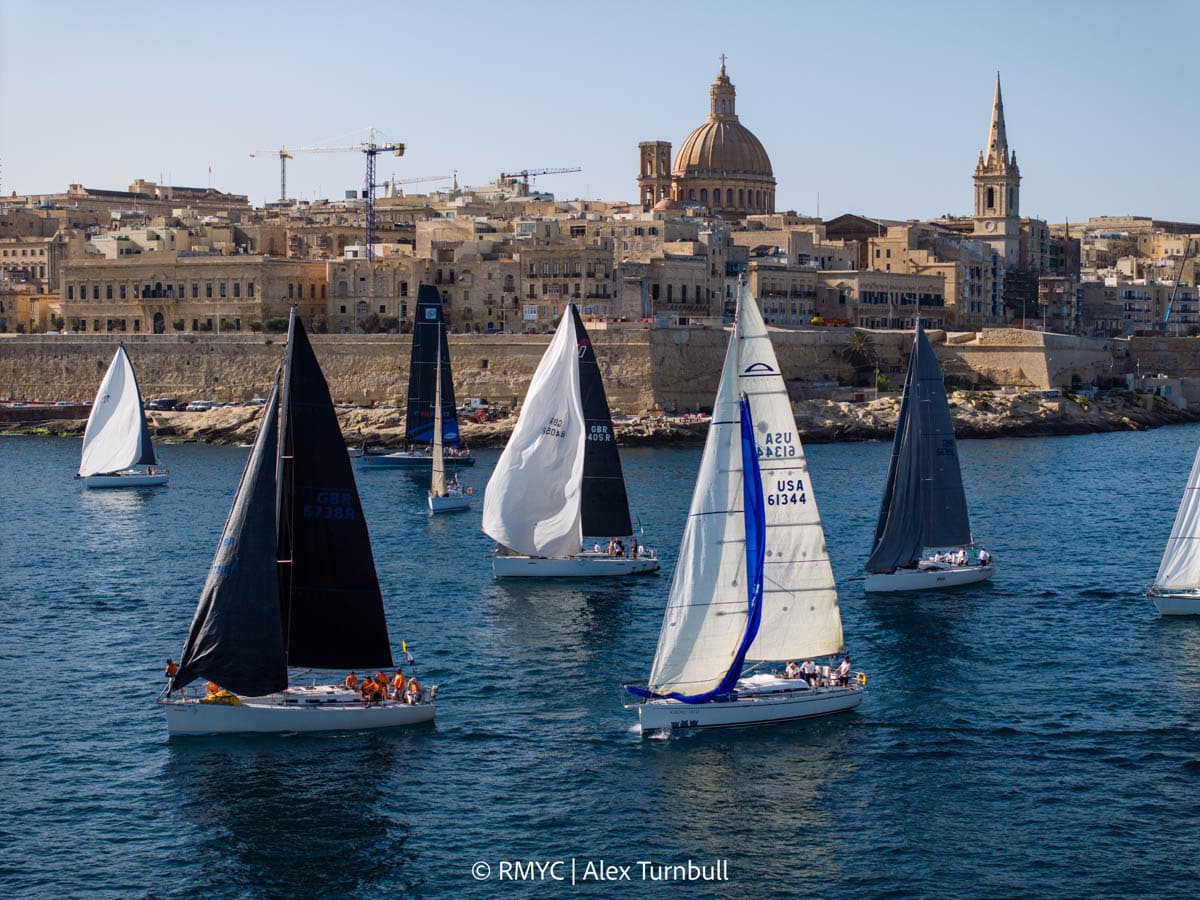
998,189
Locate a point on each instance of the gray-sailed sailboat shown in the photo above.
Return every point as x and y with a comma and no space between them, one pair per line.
293,582
923,535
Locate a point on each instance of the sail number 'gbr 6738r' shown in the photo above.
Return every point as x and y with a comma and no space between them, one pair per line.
330,505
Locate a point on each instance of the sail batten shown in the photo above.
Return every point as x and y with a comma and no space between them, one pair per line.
117,435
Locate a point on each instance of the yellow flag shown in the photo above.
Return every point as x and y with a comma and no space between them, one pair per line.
404,646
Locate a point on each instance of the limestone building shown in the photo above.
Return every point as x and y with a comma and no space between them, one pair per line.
721,166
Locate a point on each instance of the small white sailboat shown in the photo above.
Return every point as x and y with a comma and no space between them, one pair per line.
430,359
559,480
753,586
444,496
923,535
117,450
293,583
1176,588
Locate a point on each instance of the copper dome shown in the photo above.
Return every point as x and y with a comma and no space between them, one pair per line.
722,146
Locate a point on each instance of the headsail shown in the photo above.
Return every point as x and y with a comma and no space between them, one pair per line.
532,504
923,501
117,436
429,340
706,614
236,638
1180,567
604,502
437,487
331,606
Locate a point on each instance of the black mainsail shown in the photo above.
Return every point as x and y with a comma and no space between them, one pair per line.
923,500
428,333
293,581
604,505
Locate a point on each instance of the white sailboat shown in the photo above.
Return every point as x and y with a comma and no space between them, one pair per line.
117,451
559,482
923,535
1176,588
293,583
443,496
753,586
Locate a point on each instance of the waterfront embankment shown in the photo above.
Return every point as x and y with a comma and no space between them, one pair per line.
979,414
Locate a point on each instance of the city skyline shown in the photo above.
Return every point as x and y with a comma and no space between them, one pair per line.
886,120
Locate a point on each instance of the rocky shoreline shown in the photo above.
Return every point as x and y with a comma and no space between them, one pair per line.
977,414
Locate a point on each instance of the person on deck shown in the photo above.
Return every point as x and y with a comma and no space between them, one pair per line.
984,557
841,675
413,694
382,681
791,670
808,671
351,681
169,671
212,688
398,685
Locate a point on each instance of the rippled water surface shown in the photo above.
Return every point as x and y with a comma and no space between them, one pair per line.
1034,737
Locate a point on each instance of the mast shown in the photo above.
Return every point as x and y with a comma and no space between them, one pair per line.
437,487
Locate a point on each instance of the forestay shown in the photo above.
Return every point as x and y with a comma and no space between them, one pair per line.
116,436
706,612
923,500
532,503
1180,567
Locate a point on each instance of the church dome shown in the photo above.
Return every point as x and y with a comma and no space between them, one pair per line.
722,147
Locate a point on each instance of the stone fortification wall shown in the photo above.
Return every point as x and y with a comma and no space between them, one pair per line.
673,368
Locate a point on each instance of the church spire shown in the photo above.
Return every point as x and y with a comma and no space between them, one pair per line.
721,96
997,149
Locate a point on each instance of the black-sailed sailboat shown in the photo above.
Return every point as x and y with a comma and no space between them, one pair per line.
923,535
430,353
559,481
292,585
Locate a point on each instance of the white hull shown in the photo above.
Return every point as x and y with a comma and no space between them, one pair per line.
449,503
928,579
1184,603
132,478
787,702
324,708
404,459
585,565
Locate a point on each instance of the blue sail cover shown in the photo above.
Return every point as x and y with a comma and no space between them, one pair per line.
755,517
923,500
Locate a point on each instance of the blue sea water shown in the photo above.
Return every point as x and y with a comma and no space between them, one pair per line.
1033,737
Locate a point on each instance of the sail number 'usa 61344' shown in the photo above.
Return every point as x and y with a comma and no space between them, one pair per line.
778,445
787,492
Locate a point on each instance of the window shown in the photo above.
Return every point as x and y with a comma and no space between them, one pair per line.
382,308
237,289
95,292
121,291
404,289
195,290
343,308
223,287
250,289
108,292
208,290
70,292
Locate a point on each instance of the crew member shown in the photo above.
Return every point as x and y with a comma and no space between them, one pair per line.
351,681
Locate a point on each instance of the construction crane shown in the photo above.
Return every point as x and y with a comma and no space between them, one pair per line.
1187,252
525,174
397,181
284,156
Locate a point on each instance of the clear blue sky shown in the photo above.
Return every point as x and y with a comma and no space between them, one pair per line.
878,108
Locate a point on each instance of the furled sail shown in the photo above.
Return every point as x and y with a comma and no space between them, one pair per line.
331,607
604,502
429,340
117,436
437,487
1180,567
532,503
923,500
706,614
236,638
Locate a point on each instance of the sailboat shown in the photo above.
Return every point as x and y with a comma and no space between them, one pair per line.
1176,588
117,451
559,478
923,535
444,496
753,586
430,358
293,582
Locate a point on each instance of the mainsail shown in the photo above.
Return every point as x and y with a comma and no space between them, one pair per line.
604,502
923,500
329,593
429,344
236,638
437,487
706,615
1180,567
532,503
117,436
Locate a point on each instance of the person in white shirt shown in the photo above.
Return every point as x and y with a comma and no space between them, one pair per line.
808,671
984,557
791,670
842,674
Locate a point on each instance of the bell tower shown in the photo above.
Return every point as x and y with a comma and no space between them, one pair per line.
654,172
998,189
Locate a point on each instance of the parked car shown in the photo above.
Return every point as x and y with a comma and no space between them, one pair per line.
199,406
162,403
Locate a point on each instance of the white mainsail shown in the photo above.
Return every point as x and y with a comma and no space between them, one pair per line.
532,504
113,438
437,487
706,612
1180,567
